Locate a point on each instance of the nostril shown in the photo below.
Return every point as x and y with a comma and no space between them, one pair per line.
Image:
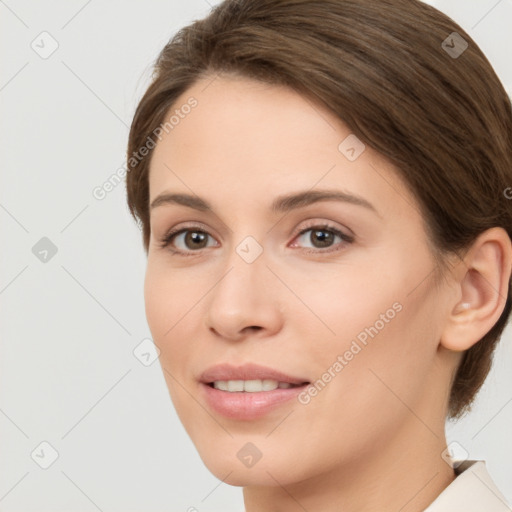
253,328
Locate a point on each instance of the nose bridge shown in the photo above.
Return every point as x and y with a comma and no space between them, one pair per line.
245,266
246,240
241,296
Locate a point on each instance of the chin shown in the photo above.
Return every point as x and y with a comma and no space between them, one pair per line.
239,476
227,464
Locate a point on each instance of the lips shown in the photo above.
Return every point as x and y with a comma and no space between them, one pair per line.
248,405
248,371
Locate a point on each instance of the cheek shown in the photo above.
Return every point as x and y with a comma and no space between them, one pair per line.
387,360
377,339
169,296
158,303
168,302
362,394
341,300
173,311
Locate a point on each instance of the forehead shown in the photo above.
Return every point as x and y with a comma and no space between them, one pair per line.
241,119
246,141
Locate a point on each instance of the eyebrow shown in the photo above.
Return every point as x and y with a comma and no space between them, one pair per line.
282,204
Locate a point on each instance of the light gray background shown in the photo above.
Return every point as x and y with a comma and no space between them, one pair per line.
68,375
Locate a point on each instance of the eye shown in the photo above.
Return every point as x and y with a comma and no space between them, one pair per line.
322,236
194,238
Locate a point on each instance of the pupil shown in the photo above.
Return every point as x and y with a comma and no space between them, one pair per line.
195,236
324,239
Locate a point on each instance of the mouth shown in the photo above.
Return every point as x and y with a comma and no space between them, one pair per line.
251,399
248,392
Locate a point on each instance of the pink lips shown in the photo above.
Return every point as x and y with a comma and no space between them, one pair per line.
243,405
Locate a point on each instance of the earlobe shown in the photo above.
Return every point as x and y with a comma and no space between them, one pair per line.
482,281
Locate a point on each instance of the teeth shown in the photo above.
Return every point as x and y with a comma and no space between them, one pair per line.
235,385
250,386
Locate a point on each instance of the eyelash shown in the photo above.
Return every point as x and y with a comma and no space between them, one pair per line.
167,238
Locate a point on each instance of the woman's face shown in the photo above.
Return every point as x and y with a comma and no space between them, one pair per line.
356,315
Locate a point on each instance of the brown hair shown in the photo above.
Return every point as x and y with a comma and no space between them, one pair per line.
393,71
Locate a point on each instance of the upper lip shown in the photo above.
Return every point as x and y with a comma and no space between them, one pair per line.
248,371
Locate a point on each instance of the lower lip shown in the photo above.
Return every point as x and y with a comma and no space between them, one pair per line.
243,405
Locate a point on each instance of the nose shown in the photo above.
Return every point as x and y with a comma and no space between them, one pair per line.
244,300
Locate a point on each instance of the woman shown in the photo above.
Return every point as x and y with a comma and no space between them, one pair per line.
321,187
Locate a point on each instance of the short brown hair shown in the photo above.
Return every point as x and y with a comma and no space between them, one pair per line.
385,68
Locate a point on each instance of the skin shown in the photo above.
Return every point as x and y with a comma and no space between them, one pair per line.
373,438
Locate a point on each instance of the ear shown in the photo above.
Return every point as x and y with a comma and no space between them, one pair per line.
482,282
